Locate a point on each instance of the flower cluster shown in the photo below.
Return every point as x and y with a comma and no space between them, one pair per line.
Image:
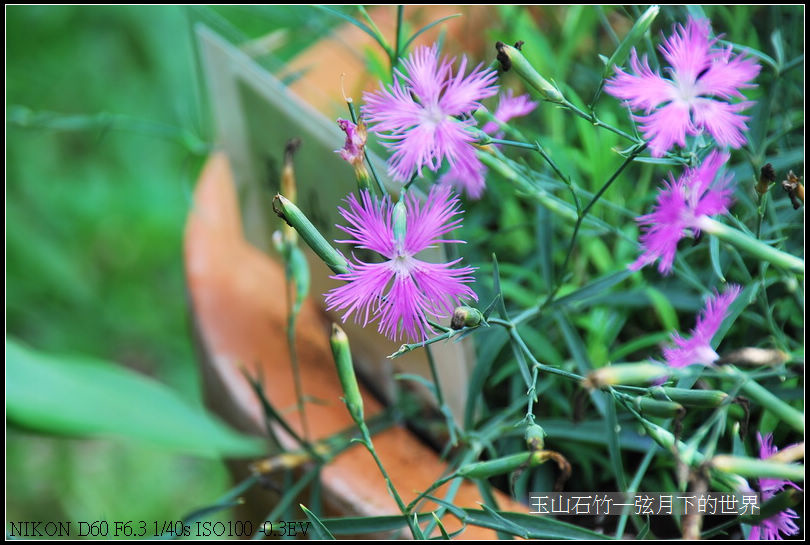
681,206
703,77
782,522
697,348
403,292
418,115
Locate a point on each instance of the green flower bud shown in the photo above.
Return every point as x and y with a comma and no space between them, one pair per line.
511,57
691,398
296,219
627,373
535,437
466,317
400,219
655,407
754,467
343,360
754,356
498,466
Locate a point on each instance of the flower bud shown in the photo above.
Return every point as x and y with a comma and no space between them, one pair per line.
343,361
296,219
535,437
767,176
628,373
491,468
794,188
466,317
655,407
754,356
511,57
754,467
691,398
400,220
353,150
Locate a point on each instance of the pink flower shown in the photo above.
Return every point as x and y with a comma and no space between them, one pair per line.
697,348
703,77
352,151
681,205
509,107
418,113
469,175
783,521
403,291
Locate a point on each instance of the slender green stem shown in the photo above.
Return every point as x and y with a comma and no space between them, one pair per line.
299,388
754,390
435,375
451,425
538,148
633,487
591,117
536,364
581,216
413,346
430,489
792,64
397,41
753,246
410,182
391,488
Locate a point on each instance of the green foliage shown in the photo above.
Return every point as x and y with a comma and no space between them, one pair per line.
79,397
98,182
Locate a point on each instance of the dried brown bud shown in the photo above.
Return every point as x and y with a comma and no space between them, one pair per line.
794,188
503,57
767,176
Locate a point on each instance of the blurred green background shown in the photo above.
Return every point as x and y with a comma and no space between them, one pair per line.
106,131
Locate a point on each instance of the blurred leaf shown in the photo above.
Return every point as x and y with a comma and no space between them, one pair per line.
72,396
520,524
319,530
359,24
663,307
424,29
714,253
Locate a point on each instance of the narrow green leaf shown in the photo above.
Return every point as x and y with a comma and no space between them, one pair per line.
577,349
319,530
778,47
523,365
532,526
745,298
369,525
79,396
491,306
663,307
417,378
631,39
645,530
596,287
425,29
514,529
714,253
445,535
593,432
359,24
543,234
496,285
614,450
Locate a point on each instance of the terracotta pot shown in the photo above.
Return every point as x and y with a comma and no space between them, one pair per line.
237,299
